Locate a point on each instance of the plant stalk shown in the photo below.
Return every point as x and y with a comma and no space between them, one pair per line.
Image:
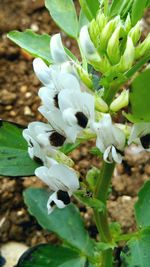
101,218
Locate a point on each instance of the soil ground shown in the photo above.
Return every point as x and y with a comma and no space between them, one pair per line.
19,103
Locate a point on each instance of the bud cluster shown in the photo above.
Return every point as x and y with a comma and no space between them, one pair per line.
112,45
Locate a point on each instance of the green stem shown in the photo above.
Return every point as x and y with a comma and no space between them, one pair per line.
111,92
101,193
113,89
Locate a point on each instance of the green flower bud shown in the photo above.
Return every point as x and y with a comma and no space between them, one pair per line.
91,177
87,134
101,21
113,48
100,104
107,32
104,65
143,48
135,33
128,24
62,158
94,32
121,101
125,128
128,56
85,76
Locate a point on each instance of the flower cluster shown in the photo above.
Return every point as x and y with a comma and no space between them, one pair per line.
69,108
112,45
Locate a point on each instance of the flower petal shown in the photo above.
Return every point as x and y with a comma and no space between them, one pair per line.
116,156
57,50
41,70
87,46
138,130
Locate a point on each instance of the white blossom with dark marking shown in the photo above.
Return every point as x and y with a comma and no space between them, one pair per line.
110,139
43,142
62,180
59,82
140,134
77,110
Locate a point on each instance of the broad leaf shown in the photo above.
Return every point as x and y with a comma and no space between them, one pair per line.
14,158
90,8
66,223
142,207
139,97
137,10
35,44
46,255
137,251
64,14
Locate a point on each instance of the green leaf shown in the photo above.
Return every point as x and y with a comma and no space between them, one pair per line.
46,255
139,97
101,246
66,223
82,19
136,252
14,158
35,44
147,3
137,66
90,8
64,14
90,201
120,7
142,206
137,10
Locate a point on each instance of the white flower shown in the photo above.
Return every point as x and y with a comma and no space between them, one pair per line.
87,46
62,180
57,122
140,133
54,76
110,139
59,81
34,149
43,142
77,109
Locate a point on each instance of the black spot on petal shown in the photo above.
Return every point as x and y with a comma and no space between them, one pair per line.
82,119
63,196
145,141
38,160
56,103
56,139
30,142
52,204
120,152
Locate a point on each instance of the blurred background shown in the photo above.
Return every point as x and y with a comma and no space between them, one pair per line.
19,102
